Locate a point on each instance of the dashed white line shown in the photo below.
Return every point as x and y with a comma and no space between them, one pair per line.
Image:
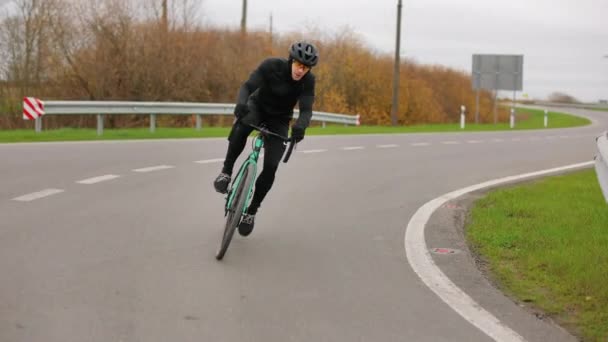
97,179
516,139
37,195
210,161
352,148
474,141
313,151
450,142
420,144
387,146
153,168
497,140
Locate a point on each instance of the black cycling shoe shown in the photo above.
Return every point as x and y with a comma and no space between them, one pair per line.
246,225
221,183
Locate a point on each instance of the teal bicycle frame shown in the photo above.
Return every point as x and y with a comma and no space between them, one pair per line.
258,143
249,165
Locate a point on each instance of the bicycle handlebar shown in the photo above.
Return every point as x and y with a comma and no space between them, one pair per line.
291,142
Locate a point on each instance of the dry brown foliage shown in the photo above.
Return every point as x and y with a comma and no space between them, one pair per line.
120,50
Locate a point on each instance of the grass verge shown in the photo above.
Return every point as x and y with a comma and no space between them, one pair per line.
545,244
528,119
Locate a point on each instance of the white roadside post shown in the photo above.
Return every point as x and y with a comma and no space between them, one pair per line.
546,118
462,109
512,121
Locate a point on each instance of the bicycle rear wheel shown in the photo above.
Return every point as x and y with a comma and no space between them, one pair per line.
233,218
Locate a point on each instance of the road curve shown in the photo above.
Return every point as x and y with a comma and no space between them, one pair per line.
115,241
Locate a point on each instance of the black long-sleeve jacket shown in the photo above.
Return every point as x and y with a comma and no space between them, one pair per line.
275,92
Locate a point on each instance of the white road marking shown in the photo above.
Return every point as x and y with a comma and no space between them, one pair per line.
564,136
387,146
450,142
37,195
420,144
153,168
352,148
313,151
97,179
421,261
210,161
497,140
516,139
474,141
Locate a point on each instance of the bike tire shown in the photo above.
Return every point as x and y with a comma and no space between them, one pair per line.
236,210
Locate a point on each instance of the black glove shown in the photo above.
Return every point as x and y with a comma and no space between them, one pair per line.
297,133
241,110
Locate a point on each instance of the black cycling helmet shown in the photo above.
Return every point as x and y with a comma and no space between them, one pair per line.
304,52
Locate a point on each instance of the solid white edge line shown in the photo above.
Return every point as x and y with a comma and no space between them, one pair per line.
422,262
99,179
153,168
38,195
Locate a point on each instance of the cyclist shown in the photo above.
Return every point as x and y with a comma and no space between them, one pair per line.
268,97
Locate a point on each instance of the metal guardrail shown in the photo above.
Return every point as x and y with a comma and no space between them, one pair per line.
601,163
101,108
571,105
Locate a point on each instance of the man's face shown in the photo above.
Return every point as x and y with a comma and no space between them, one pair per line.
298,70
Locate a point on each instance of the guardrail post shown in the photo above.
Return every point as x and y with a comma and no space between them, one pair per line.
546,118
38,124
323,124
512,120
462,109
152,123
99,124
198,122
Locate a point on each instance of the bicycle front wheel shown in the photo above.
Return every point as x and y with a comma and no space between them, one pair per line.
236,209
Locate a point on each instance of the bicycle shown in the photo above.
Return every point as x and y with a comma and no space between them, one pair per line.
240,194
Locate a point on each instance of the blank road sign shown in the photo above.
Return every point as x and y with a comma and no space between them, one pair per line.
498,72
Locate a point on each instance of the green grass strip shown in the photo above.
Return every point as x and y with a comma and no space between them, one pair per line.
546,243
528,119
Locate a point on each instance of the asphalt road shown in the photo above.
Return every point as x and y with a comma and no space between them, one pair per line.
115,241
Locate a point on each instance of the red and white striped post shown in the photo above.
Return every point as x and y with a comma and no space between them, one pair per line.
33,109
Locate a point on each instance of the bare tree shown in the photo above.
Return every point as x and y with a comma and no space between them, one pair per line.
24,42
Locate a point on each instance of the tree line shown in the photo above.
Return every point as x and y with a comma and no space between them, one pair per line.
122,50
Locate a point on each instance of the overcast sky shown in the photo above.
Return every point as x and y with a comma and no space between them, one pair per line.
563,41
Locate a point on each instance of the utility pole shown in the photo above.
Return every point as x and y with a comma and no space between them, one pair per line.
271,38
395,108
164,19
244,17
271,24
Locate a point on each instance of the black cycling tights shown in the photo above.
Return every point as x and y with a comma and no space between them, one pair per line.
273,152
